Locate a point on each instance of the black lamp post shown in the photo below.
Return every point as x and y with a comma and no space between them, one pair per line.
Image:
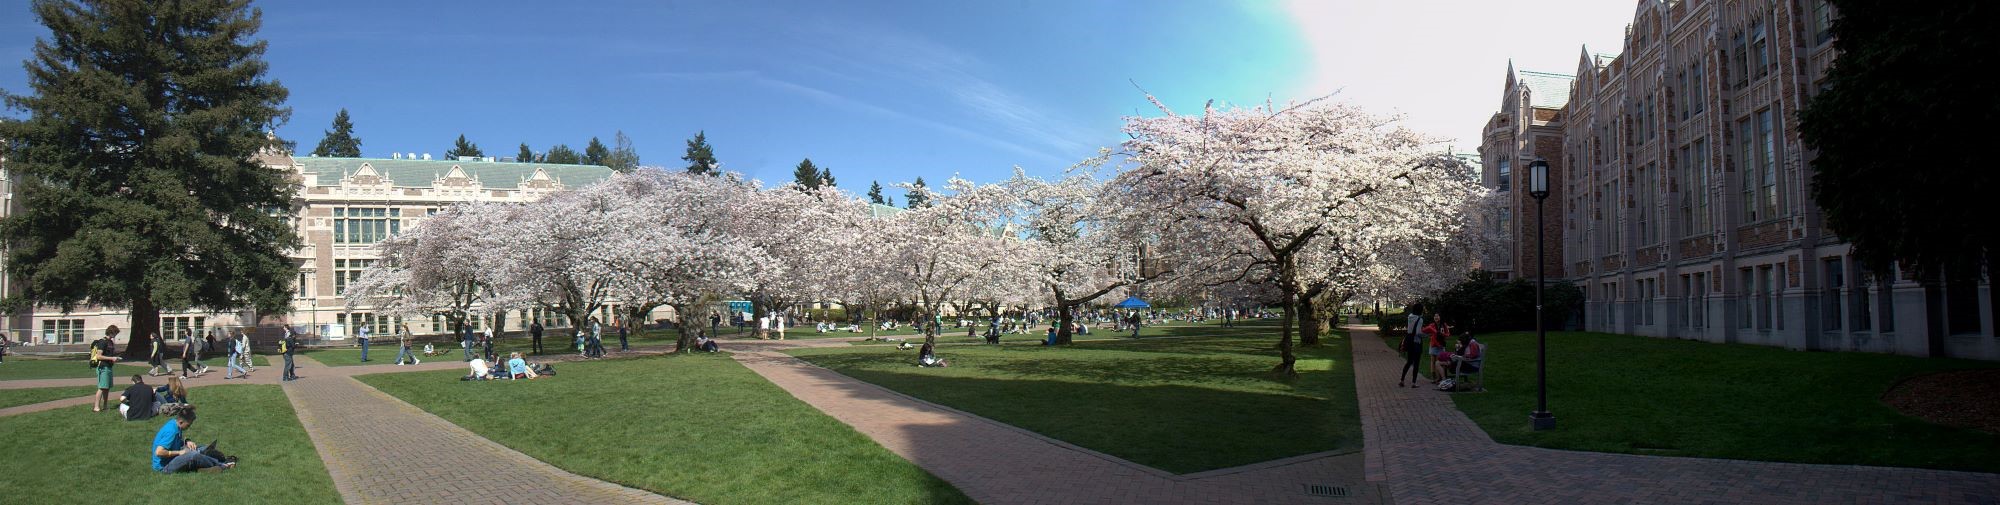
1538,187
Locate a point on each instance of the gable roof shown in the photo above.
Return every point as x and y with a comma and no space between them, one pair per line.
1546,90
422,173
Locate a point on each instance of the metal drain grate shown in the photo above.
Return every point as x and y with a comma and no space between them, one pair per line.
1327,491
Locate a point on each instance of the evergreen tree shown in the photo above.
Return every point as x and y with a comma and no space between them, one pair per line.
463,148
623,158
701,157
1893,173
595,153
916,197
526,155
826,176
137,164
806,175
875,193
339,142
562,154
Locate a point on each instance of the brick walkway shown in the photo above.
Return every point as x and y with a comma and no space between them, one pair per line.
382,450
995,463
1429,452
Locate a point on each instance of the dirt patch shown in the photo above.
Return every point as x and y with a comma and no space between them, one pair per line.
1965,399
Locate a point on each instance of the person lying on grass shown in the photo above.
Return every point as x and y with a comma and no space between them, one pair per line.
173,453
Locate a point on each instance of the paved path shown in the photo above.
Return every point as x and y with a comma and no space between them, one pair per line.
381,450
995,463
1429,452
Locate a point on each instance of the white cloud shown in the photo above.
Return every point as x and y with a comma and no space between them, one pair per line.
1442,62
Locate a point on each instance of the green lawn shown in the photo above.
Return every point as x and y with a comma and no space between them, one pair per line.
1643,395
1180,405
19,397
72,455
73,367
698,427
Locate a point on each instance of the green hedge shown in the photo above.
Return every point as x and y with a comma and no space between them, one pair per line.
1484,304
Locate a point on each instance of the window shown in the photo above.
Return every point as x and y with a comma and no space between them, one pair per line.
1739,65
1830,301
1888,308
1819,21
1765,300
1506,174
1649,233
1767,168
1506,221
1699,174
1746,171
170,327
299,291
1862,307
1687,301
377,325
1696,91
1646,288
365,225
1700,317
346,271
1961,299
1745,298
1760,50
62,331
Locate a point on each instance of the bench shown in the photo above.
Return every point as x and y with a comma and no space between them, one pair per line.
1458,372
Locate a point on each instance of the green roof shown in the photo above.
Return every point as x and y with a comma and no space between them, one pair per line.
1546,90
421,173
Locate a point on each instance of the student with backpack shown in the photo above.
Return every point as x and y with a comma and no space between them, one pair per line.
101,360
287,345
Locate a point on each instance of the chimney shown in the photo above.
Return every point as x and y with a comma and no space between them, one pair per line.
395,156
427,156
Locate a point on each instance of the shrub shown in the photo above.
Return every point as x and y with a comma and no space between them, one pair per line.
1483,304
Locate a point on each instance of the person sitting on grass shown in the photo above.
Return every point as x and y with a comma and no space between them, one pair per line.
138,400
707,344
430,349
518,368
174,393
928,357
173,453
480,370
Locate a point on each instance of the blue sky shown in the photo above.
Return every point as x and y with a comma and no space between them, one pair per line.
874,90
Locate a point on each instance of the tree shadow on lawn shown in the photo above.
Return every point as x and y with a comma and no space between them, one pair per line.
1177,428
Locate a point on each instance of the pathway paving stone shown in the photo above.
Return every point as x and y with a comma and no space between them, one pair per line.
381,450
1429,452
996,463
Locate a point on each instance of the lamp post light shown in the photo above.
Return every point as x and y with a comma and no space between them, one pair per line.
1538,187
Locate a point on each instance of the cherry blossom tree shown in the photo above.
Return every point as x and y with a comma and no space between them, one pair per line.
937,250
1258,186
440,266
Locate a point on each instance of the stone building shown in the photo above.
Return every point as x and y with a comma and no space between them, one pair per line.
349,204
1688,213
1527,128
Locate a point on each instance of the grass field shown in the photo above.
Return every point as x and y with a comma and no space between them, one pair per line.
698,427
73,367
19,397
1178,404
72,455
1643,395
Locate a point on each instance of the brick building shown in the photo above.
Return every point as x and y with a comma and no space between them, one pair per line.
349,204
1688,213
1527,127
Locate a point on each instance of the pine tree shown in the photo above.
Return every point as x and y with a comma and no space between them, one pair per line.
701,157
623,158
339,142
595,153
875,193
916,197
526,155
463,148
806,175
141,137
561,154
826,176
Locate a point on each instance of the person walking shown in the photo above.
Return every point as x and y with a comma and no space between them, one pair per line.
3,346
1412,348
466,340
488,344
361,336
243,350
404,355
158,358
594,347
287,345
535,331
714,321
622,346
188,353
101,361
236,360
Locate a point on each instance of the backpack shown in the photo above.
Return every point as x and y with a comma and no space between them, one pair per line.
1448,385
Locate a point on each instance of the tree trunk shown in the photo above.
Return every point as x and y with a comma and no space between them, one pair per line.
682,319
759,309
1286,364
499,324
1309,322
1064,316
145,322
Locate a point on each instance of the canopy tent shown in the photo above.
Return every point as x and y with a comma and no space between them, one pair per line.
1133,303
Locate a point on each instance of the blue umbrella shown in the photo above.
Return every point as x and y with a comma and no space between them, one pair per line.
1133,303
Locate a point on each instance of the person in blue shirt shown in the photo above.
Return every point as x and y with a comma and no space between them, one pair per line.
518,368
172,453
